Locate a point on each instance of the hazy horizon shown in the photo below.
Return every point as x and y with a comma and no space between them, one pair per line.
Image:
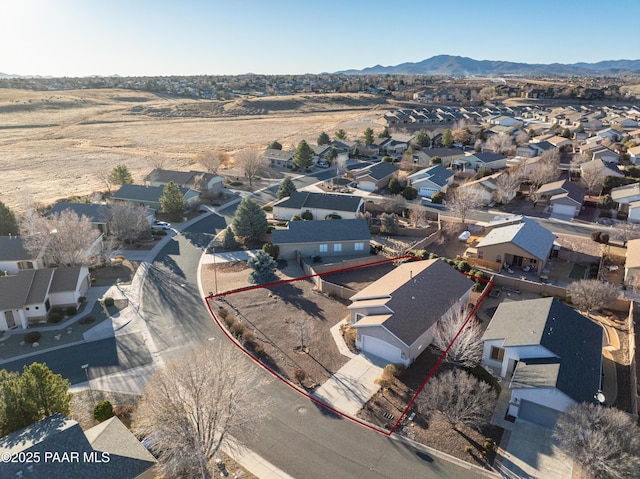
76,38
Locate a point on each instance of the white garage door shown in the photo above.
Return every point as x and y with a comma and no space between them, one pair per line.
563,210
427,192
538,414
367,185
382,349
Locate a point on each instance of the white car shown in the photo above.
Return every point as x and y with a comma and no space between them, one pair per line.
161,225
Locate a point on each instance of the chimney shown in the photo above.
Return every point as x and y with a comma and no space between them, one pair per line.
410,274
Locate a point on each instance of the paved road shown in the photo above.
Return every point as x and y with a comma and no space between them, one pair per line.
104,357
298,437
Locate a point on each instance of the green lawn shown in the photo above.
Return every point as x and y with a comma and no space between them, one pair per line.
578,271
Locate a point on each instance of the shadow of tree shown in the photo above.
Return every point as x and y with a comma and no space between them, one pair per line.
295,297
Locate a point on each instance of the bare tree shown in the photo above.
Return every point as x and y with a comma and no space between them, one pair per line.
604,441
590,294
212,160
500,143
417,214
196,405
545,169
459,398
593,176
128,222
250,162
522,138
65,238
156,160
393,203
466,348
507,185
462,200
626,232
302,330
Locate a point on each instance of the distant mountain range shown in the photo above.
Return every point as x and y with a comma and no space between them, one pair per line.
448,65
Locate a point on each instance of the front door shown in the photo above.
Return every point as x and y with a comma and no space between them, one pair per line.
11,322
517,261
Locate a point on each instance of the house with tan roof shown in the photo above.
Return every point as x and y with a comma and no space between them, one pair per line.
395,316
632,263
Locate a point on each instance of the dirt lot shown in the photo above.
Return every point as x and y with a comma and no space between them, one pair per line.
58,144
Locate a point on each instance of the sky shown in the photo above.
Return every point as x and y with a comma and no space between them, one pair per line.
216,37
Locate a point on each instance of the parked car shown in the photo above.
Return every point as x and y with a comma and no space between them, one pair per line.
161,225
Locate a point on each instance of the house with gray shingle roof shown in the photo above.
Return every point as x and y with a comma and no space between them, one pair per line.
396,315
321,238
26,298
99,215
149,196
431,180
14,256
196,180
564,197
486,159
320,205
281,158
375,177
550,353
523,244
108,451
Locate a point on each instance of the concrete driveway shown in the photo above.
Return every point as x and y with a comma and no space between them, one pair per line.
531,452
353,385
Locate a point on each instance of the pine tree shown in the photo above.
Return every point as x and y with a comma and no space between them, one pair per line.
8,223
264,268
323,139
250,221
368,136
172,201
120,175
447,138
229,241
303,157
286,188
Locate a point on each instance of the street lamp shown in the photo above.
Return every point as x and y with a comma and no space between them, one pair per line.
86,372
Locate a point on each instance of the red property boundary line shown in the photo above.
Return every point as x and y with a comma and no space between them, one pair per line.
385,432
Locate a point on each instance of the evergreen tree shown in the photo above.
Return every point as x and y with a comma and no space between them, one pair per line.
422,139
410,193
286,188
250,221
229,241
323,139
340,134
447,138
384,133
8,222
264,268
274,145
332,154
303,157
172,201
368,136
120,175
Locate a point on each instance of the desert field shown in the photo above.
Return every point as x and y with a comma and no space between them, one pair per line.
55,144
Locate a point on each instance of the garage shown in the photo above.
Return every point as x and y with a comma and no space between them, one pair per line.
427,192
537,414
382,349
563,210
367,185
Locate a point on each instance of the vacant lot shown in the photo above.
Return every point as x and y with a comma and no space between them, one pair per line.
57,144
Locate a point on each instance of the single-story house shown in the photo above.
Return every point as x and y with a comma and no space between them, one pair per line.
14,256
628,199
431,180
448,156
27,297
564,196
560,141
634,155
531,150
196,180
279,157
485,187
396,315
632,263
149,196
318,238
320,205
375,177
487,159
607,169
551,354
523,244
605,154
99,215
108,450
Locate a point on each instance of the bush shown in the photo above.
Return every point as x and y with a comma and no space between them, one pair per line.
462,266
223,312
489,444
103,411
333,216
433,256
109,301
605,214
410,193
267,208
237,329
159,232
248,336
271,249
235,183
307,215
604,238
296,218
317,259
32,337
228,320
605,202
437,198
87,320
621,215
82,300
258,348
55,317
419,253
595,236
485,376
300,375
72,310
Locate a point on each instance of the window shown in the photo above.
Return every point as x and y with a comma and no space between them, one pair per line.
324,248
497,354
337,247
498,259
25,265
480,254
358,247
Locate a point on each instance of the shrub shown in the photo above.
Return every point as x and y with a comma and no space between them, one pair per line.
296,218
228,321
300,375
271,249
468,449
109,301
307,215
605,214
57,310
605,202
248,336
55,317
82,299
595,236
419,253
235,183
621,215
32,337
489,444
485,376
317,259
124,413
410,193
437,198
72,310
433,256
604,238
223,312
258,348
237,329
267,208
87,320
462,266
333,216
103,411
